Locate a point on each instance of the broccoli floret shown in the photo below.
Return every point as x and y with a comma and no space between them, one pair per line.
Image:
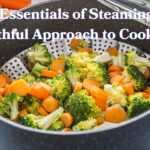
137,105
116,94
83,44
133,59
98,71
41,123
76,74
31,104
136,76
82,106
61,87
37,70
57,126
85,125
28,78
79,59
9,106
38,54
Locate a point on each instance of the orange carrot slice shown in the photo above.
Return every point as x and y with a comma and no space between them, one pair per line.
23,112
78,87
60,72
42,111
40,90
58,64
98,93
90,82
113,51
100,121
3,81
147,74
117,79
128,89
102,103
75,43
20,86
50,104
114,73
115,68
6,77
15,4
2,91
147,90
88,50
48,73
67,119
115,114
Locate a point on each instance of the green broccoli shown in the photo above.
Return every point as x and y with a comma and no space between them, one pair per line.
85,125
57,126
28,78
137,105
133,59
31,104
38,54
61,87
116,94
9,106
136,76
83,44
79,59
41,123
37,70
76,74
98,71
81,106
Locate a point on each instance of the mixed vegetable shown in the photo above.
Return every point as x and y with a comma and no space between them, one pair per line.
78,92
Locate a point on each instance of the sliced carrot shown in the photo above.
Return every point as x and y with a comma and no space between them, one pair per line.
128,89
7,89
75,43
2,91
15,4
114,73
3,81
117,79
58,64
48,73
102,103
42,111
23,112
67,129
1,97
0,6
60,72
115,114
147,90
147,74
67,119
50,104
115,68
40,90
100,121
6,77
88,50
98,93
126,80
20,86
90,82
78,87
113,51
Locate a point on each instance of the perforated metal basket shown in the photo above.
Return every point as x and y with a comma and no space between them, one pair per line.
17,66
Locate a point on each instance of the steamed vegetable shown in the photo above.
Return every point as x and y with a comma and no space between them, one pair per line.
42,123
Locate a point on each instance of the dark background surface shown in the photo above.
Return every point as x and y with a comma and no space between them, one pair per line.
135,136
